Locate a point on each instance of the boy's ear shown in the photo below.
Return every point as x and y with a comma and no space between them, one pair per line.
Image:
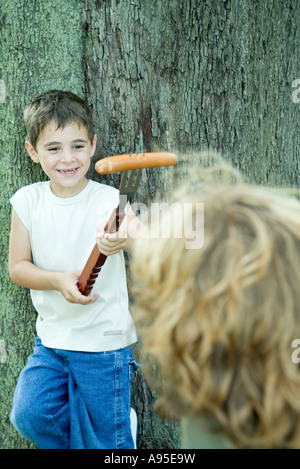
93,147
31,152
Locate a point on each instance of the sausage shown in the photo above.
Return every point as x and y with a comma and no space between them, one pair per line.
113,164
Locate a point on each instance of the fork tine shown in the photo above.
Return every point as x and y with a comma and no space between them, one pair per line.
138,177
123,181
134,178
130,179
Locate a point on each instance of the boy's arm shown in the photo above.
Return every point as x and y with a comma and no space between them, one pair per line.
24,273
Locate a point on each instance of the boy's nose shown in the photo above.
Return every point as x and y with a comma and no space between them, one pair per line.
67,156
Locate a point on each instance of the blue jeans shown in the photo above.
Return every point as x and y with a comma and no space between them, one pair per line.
76,400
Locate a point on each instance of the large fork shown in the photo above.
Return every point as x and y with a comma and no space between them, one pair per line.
128,186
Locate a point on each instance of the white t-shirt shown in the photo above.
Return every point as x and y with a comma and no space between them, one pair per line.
62,233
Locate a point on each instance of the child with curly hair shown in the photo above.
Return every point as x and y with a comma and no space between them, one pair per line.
218,322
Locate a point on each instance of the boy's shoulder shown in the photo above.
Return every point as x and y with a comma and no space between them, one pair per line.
98,189
92,187
34,188
100,186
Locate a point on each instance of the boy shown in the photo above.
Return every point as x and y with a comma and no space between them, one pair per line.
221,326
74,391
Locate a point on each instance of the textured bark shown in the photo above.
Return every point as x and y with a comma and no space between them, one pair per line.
161,75
190,75
197,74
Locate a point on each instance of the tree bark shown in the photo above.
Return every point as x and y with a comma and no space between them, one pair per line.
193,74
174,75
190,75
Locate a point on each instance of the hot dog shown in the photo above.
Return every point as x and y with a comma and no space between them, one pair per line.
113,164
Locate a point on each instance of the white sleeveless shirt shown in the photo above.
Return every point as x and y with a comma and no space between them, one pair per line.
62,233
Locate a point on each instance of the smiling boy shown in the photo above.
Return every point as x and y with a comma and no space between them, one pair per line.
64,155
74,391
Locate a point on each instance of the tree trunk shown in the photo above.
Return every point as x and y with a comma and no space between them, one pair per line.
176,75
196,74
189,75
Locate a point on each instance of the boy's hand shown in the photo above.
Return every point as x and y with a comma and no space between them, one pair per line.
130,229
67,285
110,243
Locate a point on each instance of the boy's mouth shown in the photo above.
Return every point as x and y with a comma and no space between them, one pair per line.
68,172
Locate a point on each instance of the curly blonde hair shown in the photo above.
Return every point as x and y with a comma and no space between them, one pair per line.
217,323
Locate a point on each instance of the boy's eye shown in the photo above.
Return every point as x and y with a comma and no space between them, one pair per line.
78,147
53,149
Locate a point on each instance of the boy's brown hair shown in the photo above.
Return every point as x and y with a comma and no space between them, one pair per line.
62,107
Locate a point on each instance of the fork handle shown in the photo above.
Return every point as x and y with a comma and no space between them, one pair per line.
96,259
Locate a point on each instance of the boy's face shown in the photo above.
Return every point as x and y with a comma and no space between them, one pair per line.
65,156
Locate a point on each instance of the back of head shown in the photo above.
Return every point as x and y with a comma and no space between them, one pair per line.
61,107
218,322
